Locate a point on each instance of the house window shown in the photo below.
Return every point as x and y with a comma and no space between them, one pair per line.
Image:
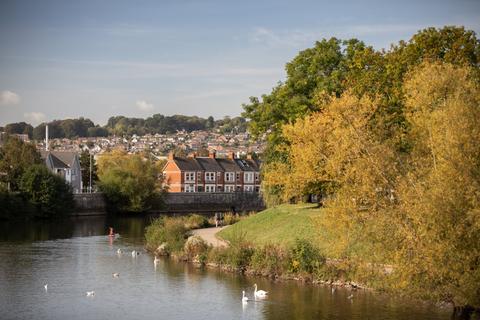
219,188
189,188
257,176
229,177
257,189
239,188
210,188
248,188
238,176
190,176
248,177
200,189
209,176
229,188
199,176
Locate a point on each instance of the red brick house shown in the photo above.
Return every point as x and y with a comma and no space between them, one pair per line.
211,174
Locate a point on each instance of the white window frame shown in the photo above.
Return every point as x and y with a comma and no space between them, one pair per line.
229,188
189,188
209,188
189,176
209,176
248,188
248,177
229,176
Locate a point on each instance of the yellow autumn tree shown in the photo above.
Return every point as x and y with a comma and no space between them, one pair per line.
440,194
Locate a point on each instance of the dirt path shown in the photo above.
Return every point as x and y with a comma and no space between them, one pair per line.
208,234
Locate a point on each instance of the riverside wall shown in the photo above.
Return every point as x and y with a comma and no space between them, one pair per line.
179,202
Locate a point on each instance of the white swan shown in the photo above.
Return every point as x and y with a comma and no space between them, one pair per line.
46,286
244,297
119,251
135,253
115,274
156,261
260,293
90,293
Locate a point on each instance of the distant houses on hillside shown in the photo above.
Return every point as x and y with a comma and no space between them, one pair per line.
212,174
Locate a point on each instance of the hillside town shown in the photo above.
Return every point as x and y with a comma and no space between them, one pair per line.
159,145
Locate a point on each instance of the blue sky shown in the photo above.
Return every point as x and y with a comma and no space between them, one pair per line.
64,59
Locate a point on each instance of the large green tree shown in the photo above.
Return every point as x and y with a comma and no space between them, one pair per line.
49,193
16,157
131,183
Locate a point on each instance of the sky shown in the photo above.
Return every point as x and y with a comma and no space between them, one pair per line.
65,59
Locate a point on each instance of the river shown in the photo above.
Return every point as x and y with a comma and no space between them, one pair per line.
74,256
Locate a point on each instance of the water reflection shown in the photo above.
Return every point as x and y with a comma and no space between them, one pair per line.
74,256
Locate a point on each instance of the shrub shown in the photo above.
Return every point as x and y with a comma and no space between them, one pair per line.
196,221
240,252
230,218
194,247
269,259
305,257
167,230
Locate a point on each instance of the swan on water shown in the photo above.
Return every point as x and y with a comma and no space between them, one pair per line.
135,253
350,297
90,293
119,251
156,261
115,274
260,293
46,286
244,297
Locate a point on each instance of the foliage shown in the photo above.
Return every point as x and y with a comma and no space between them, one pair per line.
14,205
130,182
304,257
196,221
48,192
19,128
270,259
15,158
169,230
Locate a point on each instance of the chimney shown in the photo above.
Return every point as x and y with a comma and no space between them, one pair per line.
212,154
46,138
171,155
231,155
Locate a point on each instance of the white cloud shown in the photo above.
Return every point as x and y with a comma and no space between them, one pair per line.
9,98
34,117
143,105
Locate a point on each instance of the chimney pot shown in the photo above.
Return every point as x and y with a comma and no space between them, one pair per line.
231,155
212,154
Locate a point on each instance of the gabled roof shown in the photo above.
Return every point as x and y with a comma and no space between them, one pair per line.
209,164
59,159
188,164
228,165
248,164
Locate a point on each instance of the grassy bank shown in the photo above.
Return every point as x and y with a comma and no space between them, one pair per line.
280,225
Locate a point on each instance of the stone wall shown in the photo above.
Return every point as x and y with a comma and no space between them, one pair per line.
89,204
181,202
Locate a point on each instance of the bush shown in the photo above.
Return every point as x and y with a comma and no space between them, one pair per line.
171,231
49,193
13,205
194,247
304,257
196,221
269,259
230,218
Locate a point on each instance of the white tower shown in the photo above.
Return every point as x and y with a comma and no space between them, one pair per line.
46,138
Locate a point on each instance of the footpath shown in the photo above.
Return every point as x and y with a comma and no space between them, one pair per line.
208,235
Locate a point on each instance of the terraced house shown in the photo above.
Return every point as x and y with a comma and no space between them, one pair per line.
212,174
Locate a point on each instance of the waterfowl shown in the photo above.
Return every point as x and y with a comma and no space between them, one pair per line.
90,293
244,297
156,261
259,293
350,297
115,274
135,253
46,286
119,251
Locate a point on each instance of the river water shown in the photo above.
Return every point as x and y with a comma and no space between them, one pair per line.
74,256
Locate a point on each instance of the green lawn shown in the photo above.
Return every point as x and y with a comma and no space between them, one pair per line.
278,225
